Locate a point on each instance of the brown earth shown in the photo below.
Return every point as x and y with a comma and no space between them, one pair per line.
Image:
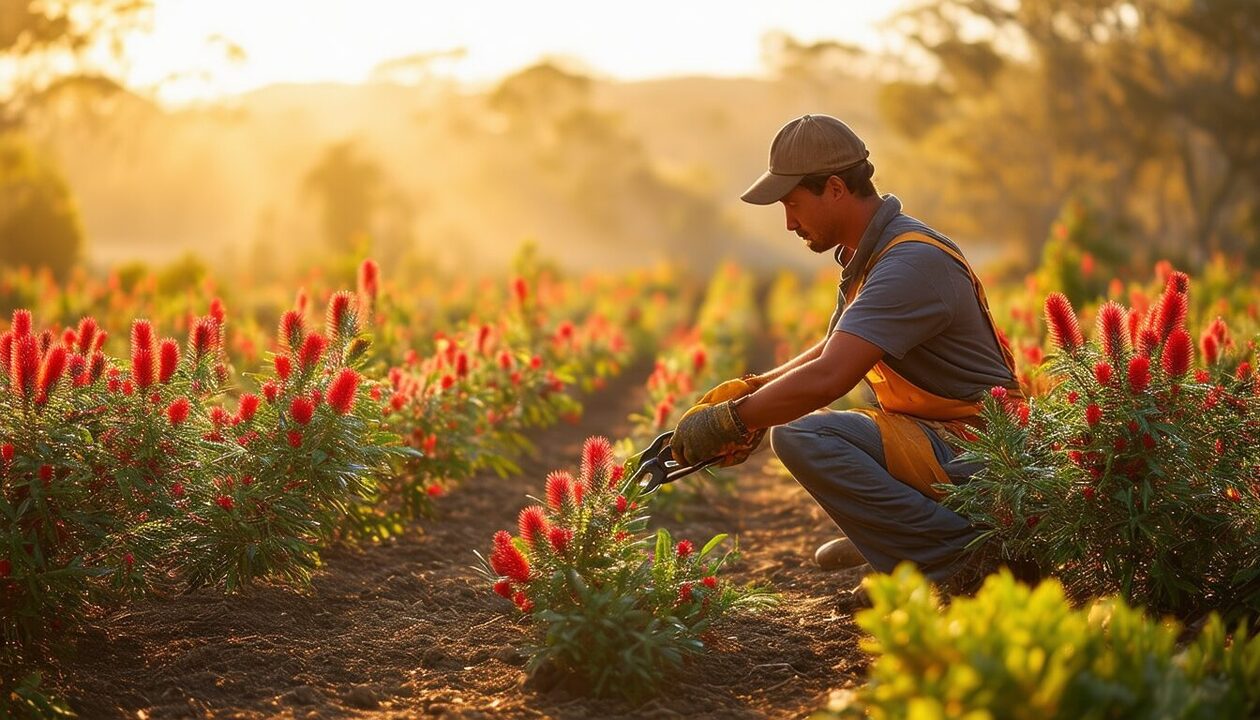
407,628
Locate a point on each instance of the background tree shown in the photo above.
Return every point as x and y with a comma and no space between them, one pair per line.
39,223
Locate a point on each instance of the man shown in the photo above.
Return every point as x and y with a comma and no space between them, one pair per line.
912,320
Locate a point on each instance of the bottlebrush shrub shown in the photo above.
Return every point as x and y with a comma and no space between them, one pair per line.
1012,651
609,604
1137,474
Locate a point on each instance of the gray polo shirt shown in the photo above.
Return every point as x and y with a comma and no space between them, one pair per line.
919,306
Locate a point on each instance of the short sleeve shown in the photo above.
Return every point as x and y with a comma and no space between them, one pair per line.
899,306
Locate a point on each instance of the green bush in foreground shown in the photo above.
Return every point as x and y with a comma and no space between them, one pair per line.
1019,652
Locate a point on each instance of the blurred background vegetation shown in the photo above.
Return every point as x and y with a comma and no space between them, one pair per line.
1035,132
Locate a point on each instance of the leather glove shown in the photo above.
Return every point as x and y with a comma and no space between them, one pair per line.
729,390
710,431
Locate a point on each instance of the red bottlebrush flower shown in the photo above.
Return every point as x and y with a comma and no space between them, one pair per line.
177,411
271,391
86,335
1111,329
142,337
1076,457
1021,414
292,330
342,392
129,560
618,472
24,365
1093,414
483,337
508,561
1219,446
684,593
1148,441
461,364
312,350
295,439
532,523
710,582
430,444
1087,264
68,339
1220,331
168,360
21,323
219,417
998,393
177,490
1233,495
685,548
559,488
535,362
1148,340
1102,373
661,416
6,568
6,453
397,401
97,366
1064,326
226,502
503,588
1211,348
1201,376
505,359
6,351
1072,397
1178,353
45,341
1139,373
341,320
301,409
1178,282
45,473
283,365
560,537
447,382
247,407
520,290
435,491
1243,371
1032,521
142,367
515,378
128,387
203,338
622,504
523,602
1171,313
1088,492
217,311
369,279
597,456
579,490
50,371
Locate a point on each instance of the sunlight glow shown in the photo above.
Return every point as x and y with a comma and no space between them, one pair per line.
186,54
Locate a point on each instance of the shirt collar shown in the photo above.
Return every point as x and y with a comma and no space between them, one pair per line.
872,238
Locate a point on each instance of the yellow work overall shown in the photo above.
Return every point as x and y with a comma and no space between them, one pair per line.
908,452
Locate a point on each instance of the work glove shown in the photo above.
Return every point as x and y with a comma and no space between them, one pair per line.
710,431
732,389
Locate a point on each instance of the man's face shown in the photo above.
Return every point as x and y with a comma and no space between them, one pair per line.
815,218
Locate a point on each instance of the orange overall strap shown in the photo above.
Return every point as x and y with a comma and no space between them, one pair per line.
908,452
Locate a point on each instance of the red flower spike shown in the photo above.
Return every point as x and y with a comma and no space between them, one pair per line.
532,523
50,371
1178,353
168,360
342,392
699,358
271,391
142,367
1102,373
559,488
597,455
1088,492
1171,314
21,323
520,290
1021,414
283,365
685,548
1111,329
369,279
1148,340
435,491
523,602
622,504
6,568
6,351
68,339
247,407
505,359
998,393
301,409
1139,374
461,364
506,560
341,320
177,490
579,491
217,311
312,350
684,593
1093,414
503,588
177,411
24,365
618,472
1064,326
483,337
203,338
710,582
1072,397
142,337
292,330
560,537
225,502
295,439
1178,282
86,335
6,453
45,474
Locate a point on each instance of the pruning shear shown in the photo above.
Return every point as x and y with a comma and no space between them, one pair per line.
660,467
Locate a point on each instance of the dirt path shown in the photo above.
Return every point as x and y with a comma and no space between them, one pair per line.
407,628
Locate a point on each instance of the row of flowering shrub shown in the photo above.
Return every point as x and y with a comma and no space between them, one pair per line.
1017,652
611,606
1139,472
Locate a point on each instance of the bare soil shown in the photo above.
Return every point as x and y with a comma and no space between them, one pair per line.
406,628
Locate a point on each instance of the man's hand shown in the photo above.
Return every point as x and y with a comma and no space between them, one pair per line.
709,431
731,390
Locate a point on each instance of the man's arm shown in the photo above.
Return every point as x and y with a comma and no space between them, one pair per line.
804,357
812,383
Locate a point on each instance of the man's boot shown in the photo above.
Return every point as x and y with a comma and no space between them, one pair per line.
838,554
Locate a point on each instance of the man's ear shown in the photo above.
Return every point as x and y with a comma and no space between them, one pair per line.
836,187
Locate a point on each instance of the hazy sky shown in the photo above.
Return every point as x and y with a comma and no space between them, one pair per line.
342,40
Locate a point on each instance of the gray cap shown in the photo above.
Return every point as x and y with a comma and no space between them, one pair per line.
808,145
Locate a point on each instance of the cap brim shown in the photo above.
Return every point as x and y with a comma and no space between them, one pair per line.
770,188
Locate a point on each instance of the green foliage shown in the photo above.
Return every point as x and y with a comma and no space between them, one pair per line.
1018,652
1136,473
610,607
39,223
